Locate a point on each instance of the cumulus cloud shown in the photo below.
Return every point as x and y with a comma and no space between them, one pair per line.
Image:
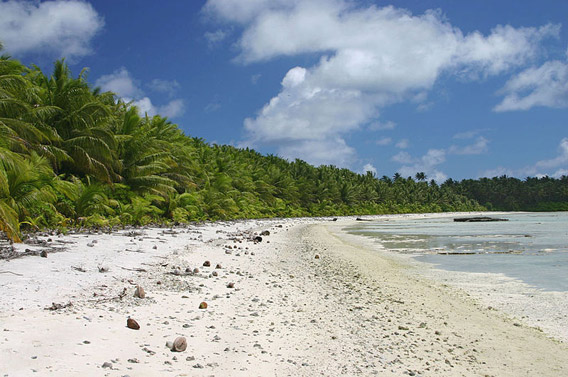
384,141
427,164
215,37
559,161
62,28
121,83
320,152
480,146
381,126
368,60
403,144
125,86
369,168
169,87
546,86
554,167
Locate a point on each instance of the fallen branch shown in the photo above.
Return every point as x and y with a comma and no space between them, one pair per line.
10,272
134,269
119,297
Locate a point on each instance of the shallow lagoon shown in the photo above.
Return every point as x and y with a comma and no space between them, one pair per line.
531,247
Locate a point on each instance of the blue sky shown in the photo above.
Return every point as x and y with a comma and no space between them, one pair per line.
456,89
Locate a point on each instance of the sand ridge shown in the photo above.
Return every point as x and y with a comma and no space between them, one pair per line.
304,301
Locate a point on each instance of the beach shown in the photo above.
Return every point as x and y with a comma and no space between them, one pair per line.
284,297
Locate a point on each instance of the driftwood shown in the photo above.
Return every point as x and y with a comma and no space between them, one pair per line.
10,272
134,269
119,297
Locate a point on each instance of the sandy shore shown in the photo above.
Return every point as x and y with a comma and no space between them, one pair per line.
306,300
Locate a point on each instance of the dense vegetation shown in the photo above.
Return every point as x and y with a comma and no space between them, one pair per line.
71,155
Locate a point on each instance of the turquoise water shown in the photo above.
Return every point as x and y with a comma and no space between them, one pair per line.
531,247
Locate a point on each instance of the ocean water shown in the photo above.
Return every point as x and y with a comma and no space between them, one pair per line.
530,247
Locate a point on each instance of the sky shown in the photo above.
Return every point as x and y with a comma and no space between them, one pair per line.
454,89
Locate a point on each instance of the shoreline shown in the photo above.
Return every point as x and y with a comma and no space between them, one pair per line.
350,311
545,310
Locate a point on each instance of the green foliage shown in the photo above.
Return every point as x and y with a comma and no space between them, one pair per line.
73,156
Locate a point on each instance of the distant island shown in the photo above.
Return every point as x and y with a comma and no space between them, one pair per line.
73,156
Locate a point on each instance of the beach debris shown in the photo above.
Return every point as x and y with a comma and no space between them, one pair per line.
55,306
139,292
103,269
10,272
361,219
203,305
132,324
206,264
178,345
43,254
134,269
80,269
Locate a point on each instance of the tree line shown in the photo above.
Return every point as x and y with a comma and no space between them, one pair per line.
74,156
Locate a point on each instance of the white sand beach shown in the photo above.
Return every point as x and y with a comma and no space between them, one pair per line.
306,300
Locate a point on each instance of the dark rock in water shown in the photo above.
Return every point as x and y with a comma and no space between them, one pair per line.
206,264
265,233
360,219
477,219
43,254
257,239
203,305
334,219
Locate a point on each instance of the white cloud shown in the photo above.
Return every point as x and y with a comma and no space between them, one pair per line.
126,87
559,161
546,85
254,78
384,141
215,37
478,147
426,164
381,126
212,106
62,28
172,109
554,167
403,144
369,167
169,87
368,61
498,172
121,83
403,158
320,152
